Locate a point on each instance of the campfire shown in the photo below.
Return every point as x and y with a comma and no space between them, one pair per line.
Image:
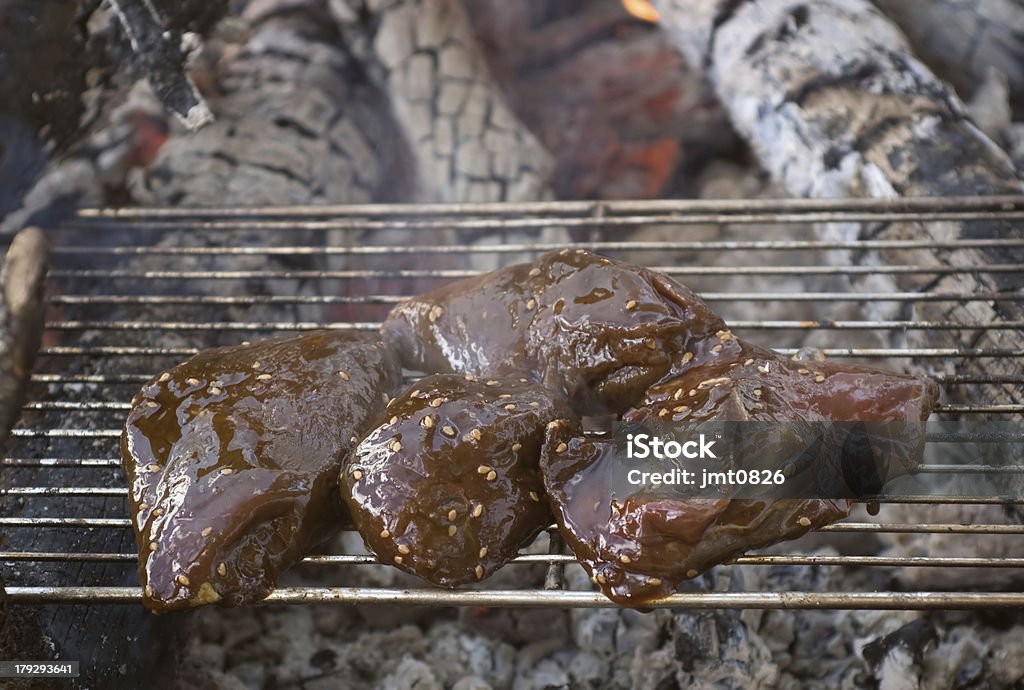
358,154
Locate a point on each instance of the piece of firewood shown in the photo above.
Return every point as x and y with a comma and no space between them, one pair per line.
961,40
467,142
833,100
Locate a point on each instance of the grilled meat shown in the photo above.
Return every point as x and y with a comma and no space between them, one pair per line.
233,459
22,311
447,486
596,330
639,542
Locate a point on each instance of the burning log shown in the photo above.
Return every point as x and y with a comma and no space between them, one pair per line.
961,40
467,142
835,103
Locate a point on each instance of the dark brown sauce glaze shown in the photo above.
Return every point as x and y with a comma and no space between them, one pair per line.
447,486
233,458
638,547
593,329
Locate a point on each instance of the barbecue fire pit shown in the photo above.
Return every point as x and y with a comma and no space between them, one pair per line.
837,178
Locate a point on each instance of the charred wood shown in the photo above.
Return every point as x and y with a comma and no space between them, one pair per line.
962,40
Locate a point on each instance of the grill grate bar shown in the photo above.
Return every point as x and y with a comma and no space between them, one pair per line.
859,527
565,559
947,379
890,601
888,352
453,273
104,491
977,204
735,324
537,247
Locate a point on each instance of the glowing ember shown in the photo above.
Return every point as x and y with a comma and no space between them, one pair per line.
641,9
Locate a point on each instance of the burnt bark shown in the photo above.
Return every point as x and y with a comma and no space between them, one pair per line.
467,142
835,103
960,40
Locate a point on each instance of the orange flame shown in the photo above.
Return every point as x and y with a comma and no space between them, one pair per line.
641,9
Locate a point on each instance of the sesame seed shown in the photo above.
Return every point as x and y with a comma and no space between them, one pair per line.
504,396
148,591
435,313
152,467
479,570
625,560
164,377
470,377
678,394
475,433
535,404
523,381
384,534
452,514
491,476
717,348
516,447
343,375
448,431
192,381
764,369
427,422
452,529
393,420
264,377
415,394
152,546
437,402
650,344
534,497
804,522
398,560
819,378
631,304
663,413
246,343
483,469
143,506
693,392
601,579
396,446
227,470
692,573
222,569
483,552
534,272
150,403
478,510
207,532
510,407
257,364
654,582
157,512
182,580
554,425
531,303
681,408
492,382
687,356
758,392
403,549
216,390
561,448
804,372
748,362
357,474
353,439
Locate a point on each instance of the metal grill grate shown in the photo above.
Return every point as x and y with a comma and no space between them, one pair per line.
114,286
